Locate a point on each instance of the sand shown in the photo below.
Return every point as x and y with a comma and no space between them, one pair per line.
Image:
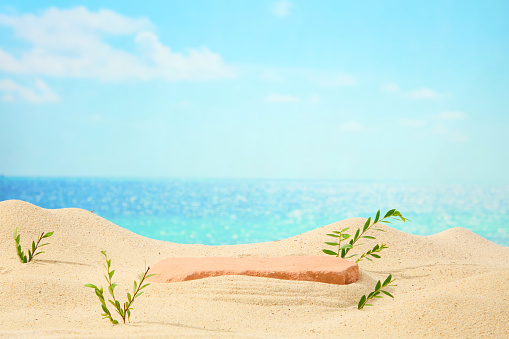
451,284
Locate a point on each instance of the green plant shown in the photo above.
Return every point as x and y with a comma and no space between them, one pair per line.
125,310
376,292
31,253
341,236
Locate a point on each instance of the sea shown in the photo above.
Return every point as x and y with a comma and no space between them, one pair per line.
227,212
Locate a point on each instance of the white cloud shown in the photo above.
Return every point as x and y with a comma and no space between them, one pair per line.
336,80
423,93
452,115
271,76
352,127
412,122
96,118
72,43
281,98
452,135
281,8
8,97
314,99
390,88
39,93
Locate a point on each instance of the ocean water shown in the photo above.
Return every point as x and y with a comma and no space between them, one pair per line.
219,212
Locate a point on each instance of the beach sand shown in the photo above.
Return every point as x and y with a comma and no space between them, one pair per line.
451,284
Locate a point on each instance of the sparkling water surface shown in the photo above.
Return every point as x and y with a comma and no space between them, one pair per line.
219,212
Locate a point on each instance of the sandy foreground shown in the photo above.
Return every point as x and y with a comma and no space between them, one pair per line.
451,284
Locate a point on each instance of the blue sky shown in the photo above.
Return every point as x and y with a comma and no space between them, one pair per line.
349,90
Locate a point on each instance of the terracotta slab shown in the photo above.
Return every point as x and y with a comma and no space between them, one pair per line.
325,269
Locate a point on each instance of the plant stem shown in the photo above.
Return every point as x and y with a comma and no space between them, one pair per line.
135,293
35,248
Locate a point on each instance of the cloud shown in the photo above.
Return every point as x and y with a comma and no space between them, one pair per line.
412,122
451,115
314,99
352,127
95,118
452,135
73,43
390,88
39,93
281,98
271,76
281,8
423,93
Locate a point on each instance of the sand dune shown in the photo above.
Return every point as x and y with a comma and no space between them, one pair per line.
451,284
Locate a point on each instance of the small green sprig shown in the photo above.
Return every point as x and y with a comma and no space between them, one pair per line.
125,310
341,236
31,253
376,292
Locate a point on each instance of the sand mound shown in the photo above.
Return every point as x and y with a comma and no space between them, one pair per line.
452,284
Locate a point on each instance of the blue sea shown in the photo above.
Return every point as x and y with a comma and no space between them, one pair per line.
220,212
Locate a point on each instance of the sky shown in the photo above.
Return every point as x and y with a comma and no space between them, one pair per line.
345,90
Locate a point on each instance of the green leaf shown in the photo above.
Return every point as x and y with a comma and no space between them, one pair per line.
389,213
114,321
333,235
345,236
329,252
137,295
44,244
361,302
105,309
332,243
90,285
367,237
109,263
378,285
387,293
128,315
18,237
347,246
377,217
99,293
128,297
366,225
38,254
111,273
388,280
47,235
375,255
377,229
337,232
111,302
150,275
110,289
345,229
33,246
134,288
103,252
142,287
368,305
356,234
